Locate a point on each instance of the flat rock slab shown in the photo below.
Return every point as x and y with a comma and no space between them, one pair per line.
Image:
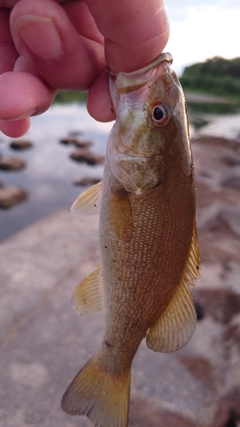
21,144
11,196
12,163
82,143
71,140
87,156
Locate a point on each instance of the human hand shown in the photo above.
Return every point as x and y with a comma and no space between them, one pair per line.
63,44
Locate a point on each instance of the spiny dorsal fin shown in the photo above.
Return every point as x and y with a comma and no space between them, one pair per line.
176,325
88,297
89,202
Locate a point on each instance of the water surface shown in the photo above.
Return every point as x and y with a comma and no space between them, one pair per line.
50,173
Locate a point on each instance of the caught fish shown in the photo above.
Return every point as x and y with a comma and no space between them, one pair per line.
148,240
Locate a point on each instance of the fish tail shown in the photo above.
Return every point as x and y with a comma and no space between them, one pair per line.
98,394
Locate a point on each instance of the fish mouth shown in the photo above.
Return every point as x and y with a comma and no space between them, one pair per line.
129,82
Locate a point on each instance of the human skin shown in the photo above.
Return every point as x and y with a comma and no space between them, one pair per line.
48,45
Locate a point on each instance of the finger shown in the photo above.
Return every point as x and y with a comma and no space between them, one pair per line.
23,95
99,102
135,32
8,54
15,129
63,57
10,3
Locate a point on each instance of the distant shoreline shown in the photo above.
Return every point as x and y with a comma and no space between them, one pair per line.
203,97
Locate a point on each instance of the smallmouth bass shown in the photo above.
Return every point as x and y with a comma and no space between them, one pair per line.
148,240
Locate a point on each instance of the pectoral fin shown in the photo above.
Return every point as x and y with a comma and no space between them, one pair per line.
89,202
177,323
88,297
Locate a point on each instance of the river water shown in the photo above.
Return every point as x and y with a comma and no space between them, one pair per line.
50,173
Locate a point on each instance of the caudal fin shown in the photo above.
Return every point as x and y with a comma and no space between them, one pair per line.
102,397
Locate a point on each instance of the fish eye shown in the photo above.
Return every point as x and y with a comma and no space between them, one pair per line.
160,115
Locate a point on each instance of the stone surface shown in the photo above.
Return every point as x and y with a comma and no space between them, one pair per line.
83,143
87,156
43,343
11,195
232,181
11,163
69,140
21,144
72,140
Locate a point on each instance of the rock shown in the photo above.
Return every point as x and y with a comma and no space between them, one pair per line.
87,181
10,196
12,163
216,141
90,158
143,413
230,160
69,140
83,143
21,144
232,181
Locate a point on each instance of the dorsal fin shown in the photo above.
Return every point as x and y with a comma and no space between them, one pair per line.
177,323
89,202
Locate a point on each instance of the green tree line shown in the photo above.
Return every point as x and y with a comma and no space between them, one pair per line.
68,96
217,76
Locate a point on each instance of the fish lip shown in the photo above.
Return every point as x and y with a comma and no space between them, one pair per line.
166,56
128,82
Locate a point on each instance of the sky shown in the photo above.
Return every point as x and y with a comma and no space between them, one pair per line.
201,30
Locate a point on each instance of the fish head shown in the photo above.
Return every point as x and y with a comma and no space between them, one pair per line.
151,125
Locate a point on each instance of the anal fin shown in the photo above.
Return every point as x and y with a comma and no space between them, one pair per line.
176,325
88,297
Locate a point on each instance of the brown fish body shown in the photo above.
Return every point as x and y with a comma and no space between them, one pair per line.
144,257
147,239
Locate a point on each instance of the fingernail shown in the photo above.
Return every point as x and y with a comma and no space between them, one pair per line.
40,35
